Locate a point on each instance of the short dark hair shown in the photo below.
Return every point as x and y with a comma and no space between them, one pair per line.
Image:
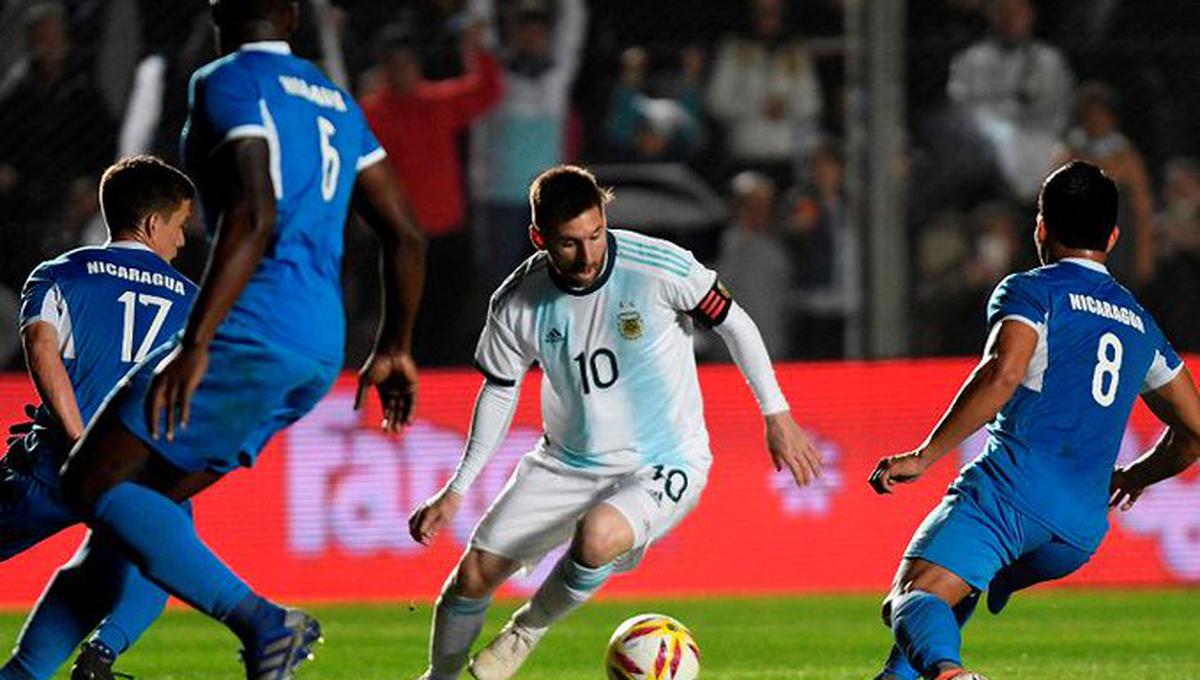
236,11
137,186
1078,204
563,193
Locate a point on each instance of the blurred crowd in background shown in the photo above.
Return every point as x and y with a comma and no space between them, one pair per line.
721,125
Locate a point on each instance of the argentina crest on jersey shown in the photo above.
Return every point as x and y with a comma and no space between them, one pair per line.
629,321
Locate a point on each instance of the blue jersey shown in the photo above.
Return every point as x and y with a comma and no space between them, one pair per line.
111,305
1053,446
318,140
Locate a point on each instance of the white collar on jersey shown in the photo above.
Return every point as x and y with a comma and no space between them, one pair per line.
272,46
1084,262
129,244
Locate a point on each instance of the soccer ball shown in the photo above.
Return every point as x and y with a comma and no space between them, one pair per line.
652,647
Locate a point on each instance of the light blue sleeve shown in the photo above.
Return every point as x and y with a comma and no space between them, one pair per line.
1167,363
1019,296
228,99
371,151
41,299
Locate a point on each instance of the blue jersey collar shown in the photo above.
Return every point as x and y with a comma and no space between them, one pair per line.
272,46
1084,262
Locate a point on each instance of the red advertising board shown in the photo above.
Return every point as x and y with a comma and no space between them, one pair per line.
323,515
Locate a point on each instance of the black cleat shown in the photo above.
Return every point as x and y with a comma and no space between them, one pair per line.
279,659
95,662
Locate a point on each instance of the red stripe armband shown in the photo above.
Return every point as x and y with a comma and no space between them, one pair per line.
714,306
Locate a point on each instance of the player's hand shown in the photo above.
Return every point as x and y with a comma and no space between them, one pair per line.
394,376
429,517
1123,491
790,447
17,431
904,468
175,379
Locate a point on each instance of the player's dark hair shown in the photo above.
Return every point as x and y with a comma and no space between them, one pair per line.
563,193
1078,204
236,11
135,187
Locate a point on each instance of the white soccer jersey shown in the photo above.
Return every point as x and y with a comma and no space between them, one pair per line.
619,386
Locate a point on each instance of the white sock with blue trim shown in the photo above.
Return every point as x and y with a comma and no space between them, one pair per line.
568,586
456,623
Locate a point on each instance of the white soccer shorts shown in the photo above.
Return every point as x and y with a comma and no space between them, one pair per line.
544,498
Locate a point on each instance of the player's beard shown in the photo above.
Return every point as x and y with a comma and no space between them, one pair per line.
586,276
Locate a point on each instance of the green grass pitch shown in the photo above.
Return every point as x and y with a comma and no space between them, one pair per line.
1088,635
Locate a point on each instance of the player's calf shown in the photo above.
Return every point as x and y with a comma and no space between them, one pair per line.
461,610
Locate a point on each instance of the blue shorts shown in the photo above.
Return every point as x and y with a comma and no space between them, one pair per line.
974,533
31,508
252,390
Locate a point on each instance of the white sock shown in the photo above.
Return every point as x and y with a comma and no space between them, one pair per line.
456,623
568,586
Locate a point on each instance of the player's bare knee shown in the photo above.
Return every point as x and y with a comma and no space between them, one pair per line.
601,538
473,579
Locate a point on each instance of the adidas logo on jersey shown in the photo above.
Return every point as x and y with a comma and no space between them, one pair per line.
554,336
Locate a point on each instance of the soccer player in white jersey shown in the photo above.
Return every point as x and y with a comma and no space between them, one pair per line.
609,315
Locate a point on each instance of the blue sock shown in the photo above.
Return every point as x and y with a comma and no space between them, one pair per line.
927,631
139,602
257,621
160,538
897,666
73,603
11,671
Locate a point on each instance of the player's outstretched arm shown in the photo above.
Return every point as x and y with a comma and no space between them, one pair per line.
1178,406
390,368
245,227
494,409
789,445
40,341
991,385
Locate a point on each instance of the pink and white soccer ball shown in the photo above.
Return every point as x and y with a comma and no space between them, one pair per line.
652,647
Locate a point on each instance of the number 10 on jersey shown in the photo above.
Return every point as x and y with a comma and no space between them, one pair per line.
599,369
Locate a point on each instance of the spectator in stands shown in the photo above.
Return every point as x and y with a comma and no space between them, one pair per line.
642,127
997,247
946,305
753,262
1179,268
1179,221
175,40
1097,137
527,132
1016,91
54,130
826,255
764,90
419,123
100,42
